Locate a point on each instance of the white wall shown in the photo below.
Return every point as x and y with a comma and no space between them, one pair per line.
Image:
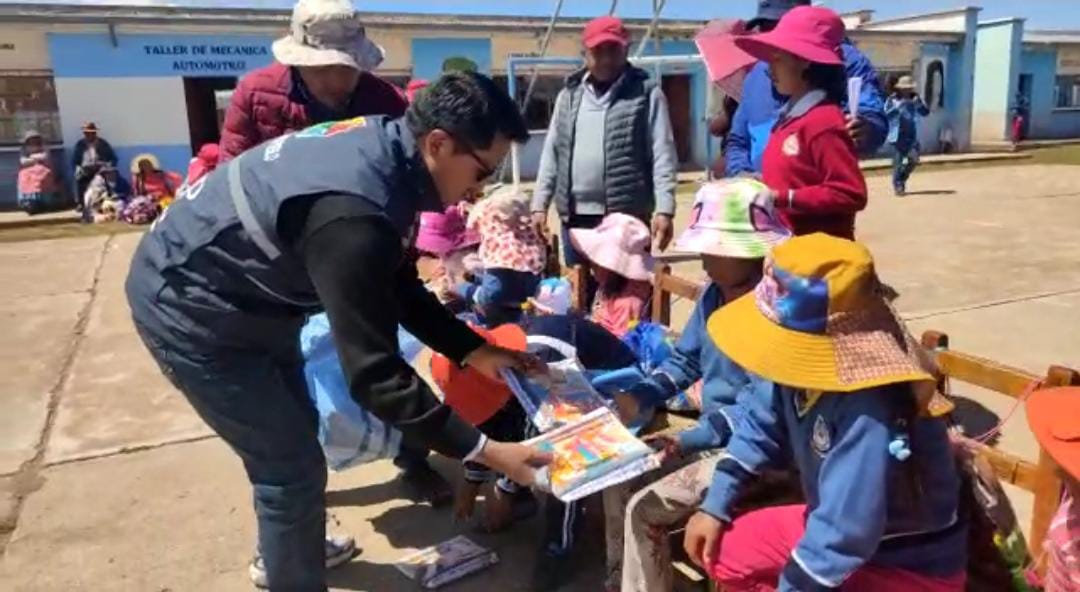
129,111
952,22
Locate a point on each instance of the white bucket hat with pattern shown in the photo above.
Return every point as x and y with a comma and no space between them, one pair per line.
326,33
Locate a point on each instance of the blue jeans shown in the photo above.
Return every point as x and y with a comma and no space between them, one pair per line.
257,402
904,163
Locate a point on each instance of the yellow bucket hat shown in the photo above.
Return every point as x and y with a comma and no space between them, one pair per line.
818,321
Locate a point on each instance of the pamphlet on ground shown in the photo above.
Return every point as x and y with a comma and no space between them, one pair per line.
446,562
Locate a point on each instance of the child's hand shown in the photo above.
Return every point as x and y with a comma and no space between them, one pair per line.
500,511
665,445
702,538
766,200
465,501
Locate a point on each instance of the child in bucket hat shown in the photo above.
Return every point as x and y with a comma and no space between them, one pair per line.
618,251
1054,416
810,164
731,235
444,235
836,396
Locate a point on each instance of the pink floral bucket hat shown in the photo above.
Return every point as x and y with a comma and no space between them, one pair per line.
442,233
726,222
620,243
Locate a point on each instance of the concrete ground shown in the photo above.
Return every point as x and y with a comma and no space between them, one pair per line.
108,481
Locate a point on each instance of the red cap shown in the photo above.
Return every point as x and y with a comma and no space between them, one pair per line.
809,32
472,395
605,29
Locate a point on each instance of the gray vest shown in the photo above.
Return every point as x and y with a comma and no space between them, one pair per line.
628,149
214,269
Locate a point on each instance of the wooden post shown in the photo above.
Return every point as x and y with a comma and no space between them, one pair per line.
661,298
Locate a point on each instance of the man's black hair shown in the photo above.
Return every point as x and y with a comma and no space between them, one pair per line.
468,106
831,79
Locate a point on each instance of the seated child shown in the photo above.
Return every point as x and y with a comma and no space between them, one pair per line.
618,253
732,237
1054,416
444,235
491,407
810,163
836,399
513,256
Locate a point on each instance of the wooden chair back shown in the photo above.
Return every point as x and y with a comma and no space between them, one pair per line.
665,285
1040,478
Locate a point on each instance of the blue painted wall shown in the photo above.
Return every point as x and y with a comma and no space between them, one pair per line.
428,54
92,55
1046,121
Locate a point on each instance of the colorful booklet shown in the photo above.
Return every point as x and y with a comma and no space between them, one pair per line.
446,562
560,398
592,454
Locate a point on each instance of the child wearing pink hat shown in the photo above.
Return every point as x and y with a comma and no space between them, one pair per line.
618,250
810,164
444,235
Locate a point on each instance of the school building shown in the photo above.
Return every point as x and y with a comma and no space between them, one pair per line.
157,79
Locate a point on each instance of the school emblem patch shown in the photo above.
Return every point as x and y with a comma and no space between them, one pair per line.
791,145
332,128
821,438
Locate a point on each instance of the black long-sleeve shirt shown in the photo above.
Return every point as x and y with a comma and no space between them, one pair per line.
357,262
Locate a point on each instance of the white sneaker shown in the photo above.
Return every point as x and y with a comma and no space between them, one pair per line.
339,550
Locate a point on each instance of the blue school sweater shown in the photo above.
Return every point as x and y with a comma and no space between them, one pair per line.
853,485
696,358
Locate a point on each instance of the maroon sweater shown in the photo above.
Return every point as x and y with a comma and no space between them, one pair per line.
811,162
266,105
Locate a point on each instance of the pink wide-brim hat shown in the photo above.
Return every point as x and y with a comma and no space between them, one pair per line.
812,33
621,243
442,233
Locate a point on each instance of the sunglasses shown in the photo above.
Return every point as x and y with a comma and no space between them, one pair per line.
484,171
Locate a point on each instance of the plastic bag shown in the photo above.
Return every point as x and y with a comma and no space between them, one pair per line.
653,343
349,434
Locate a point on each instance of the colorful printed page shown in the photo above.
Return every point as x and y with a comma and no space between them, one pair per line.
592,454
560,398
446,562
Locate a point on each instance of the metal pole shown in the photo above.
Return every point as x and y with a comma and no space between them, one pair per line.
658,8
614,4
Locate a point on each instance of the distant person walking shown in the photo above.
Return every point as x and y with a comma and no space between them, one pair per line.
91,154
1019,119
903,108
609,148
322,73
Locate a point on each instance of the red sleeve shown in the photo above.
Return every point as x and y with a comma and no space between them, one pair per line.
239,131
843,188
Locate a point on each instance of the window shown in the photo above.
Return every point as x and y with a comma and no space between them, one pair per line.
542,102
28,102
1067,92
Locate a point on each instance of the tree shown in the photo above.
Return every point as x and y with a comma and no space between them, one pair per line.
459,64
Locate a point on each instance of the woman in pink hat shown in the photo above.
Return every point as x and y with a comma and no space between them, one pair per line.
618,250
810,163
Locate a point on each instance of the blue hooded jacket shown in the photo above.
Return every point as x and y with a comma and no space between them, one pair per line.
760,105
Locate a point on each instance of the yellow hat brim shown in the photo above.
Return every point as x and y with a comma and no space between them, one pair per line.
787,357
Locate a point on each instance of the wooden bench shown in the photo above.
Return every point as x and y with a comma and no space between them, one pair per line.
1039,477
667,284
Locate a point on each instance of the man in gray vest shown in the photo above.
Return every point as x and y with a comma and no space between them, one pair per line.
322,219
609,147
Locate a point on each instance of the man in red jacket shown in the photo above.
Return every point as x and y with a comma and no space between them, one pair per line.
322,73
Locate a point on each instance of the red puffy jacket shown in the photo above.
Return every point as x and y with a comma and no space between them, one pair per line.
263,107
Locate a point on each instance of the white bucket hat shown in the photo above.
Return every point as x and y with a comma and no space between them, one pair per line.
326,33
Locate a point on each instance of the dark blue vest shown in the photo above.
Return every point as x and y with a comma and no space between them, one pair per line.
213,270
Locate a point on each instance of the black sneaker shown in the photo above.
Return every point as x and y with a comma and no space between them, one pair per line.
424,484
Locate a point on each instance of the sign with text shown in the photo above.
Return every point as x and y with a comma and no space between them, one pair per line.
95,56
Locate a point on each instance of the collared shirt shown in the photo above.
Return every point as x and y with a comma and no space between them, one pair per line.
794,110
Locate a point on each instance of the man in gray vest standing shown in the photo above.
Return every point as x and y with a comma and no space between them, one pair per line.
609,147
322,219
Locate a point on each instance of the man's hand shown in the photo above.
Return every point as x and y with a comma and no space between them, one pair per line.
766,200
490,359
539,222
662,231
858,129
666,446
702,538
517,461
